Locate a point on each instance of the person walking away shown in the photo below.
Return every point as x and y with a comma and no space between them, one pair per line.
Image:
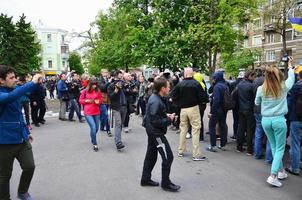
272,96
62,96
217,112
74,94
259,132
104,118
15,138
295,126
188,95
91,99
25,101
141,95
246,98
118,103
51,87
38,105
203,105
156,122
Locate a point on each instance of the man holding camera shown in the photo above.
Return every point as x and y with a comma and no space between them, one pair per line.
15,138
118,106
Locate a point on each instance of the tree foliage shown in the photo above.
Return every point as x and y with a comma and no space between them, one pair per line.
18,45
75,63
169,33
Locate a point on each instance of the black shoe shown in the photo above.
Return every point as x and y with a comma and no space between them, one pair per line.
95,148
149,183
71,120
62,119
171,187
120,146
82,121
240,150
109,134
291,172
37,124
42,122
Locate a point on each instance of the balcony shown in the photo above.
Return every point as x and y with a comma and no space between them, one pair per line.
269,28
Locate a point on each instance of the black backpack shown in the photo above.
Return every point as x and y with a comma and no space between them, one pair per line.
298,105
228,102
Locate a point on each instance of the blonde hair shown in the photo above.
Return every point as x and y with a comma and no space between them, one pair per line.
273,82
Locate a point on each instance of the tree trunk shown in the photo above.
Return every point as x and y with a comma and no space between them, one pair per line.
127,68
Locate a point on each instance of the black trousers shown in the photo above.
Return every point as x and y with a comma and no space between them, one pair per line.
25,106
8,153
38,111
247,123
161,145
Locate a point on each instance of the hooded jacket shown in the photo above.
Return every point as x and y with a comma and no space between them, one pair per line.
218,90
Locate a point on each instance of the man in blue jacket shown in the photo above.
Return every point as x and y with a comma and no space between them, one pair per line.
14,135
62,96
295,116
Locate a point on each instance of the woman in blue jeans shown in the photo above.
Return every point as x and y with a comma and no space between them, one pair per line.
272,98
91,99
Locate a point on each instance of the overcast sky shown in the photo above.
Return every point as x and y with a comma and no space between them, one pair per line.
63,14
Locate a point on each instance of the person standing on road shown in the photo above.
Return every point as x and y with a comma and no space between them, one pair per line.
141,105
25,101
15,138
118,103
188,95
91,99
247,123
295,127
74,94
272,96
38,105
62,96
156,122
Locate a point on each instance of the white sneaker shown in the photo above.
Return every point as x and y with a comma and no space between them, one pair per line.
282,175
126,130
273,181
188,136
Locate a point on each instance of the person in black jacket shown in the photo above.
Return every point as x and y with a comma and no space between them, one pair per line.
118,105
38,105
74,95
247,123
156,122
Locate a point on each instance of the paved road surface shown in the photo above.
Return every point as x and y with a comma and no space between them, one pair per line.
67,168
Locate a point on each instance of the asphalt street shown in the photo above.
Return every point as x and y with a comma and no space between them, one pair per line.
67,168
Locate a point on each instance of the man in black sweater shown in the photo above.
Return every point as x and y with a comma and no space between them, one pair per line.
38,105
156,122
246,97
188,95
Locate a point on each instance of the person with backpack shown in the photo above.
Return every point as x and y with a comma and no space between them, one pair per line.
220,104
295,115
188,95
272,96
247,123
91,99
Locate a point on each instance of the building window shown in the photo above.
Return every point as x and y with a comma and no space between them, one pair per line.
271,56
63,38
49,38
257,23
272,19
50,64
63,64
257,58
257,40
246,43
271,38
289,35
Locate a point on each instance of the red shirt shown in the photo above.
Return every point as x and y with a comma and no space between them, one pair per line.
92,108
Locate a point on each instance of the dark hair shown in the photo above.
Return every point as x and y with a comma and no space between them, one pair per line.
159,83
93,81
300,74
22,78
4,70
116,73
249,73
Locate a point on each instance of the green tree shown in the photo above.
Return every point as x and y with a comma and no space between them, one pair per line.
75,63
18,45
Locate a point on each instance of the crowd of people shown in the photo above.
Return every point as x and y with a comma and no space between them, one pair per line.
266,110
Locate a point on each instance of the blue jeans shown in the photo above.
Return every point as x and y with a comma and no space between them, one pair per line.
74,107
295,137
275,129
104,118
259,135
93,122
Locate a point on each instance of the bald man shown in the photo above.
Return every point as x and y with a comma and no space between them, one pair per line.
188,95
